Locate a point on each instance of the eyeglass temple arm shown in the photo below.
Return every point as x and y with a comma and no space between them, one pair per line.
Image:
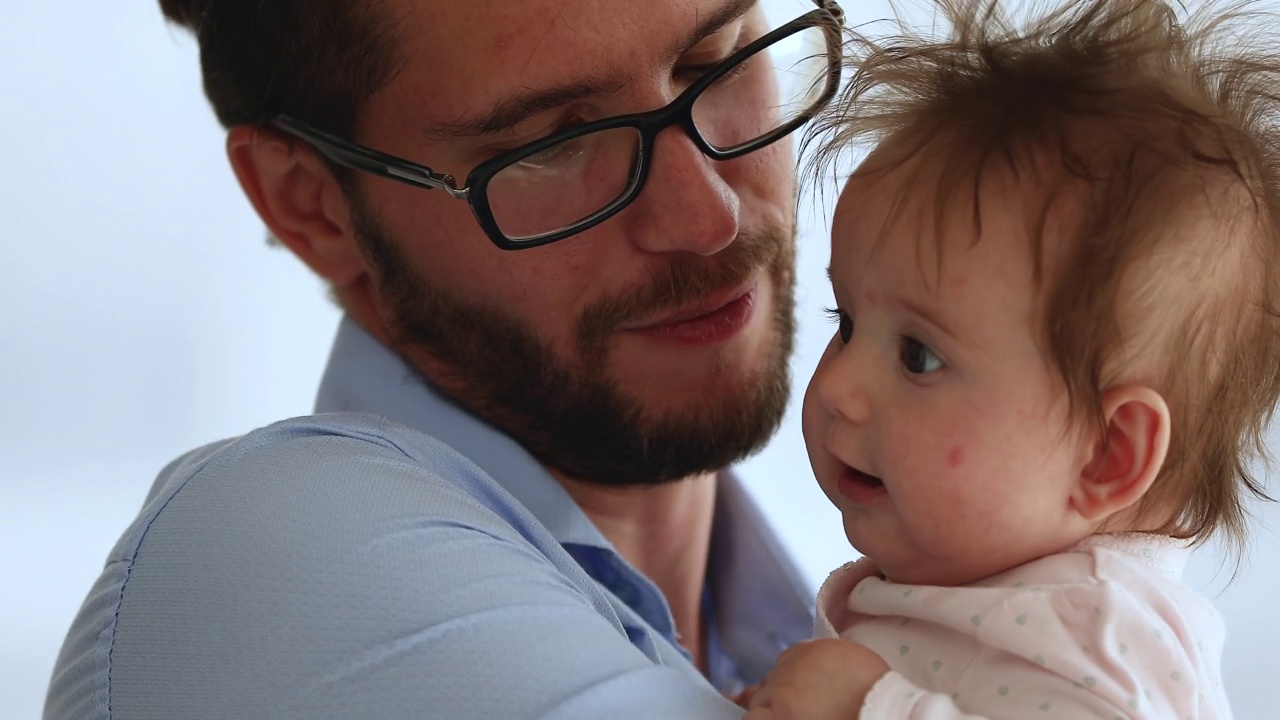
832,7
370,160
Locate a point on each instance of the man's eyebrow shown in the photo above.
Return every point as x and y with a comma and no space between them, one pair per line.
712,24
528,102
523,104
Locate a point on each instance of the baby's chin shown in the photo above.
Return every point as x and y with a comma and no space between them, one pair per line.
953,570
909,567
915,575
938,575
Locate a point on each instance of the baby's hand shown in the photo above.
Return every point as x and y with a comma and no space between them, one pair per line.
743,699
817,680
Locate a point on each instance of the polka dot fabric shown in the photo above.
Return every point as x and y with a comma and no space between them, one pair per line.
1105,630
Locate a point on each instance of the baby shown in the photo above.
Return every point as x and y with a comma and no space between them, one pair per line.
1058,349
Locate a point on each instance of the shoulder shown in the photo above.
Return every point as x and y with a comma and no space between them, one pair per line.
1098,627
1126,579
320,486
1102,583
277,557
324,465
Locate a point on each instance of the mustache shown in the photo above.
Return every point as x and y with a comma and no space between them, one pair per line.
680,282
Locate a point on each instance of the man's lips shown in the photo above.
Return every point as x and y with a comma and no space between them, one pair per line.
706,307
859,487
715,319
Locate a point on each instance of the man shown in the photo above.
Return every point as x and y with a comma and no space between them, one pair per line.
560,327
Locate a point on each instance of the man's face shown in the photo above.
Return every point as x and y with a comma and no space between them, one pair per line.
649,348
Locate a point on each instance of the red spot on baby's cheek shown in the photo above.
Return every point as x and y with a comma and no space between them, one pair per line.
955,458
871,298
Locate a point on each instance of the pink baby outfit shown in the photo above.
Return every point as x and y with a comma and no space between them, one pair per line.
1103,630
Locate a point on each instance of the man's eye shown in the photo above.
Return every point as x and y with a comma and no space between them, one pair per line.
715,55
918,359
565,125
689,73
845,323
559,153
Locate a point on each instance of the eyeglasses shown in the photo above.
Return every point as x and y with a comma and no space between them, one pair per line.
561,185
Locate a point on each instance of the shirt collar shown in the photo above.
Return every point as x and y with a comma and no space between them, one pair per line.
760,601
1165,555
365,376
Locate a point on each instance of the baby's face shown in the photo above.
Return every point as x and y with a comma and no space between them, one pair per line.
933,421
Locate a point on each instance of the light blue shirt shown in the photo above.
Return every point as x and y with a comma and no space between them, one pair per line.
394,556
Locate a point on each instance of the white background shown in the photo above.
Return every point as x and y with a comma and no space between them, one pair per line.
143,315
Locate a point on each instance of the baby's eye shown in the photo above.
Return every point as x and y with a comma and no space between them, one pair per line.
918,359
844,321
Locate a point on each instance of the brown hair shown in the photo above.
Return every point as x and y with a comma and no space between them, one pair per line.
1151,122
314,59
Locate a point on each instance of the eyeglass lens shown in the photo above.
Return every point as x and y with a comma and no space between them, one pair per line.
784,81
564,184
568,183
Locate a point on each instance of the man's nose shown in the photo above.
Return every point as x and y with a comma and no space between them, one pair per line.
685,205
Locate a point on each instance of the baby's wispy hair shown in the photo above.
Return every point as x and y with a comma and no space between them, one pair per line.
1146,122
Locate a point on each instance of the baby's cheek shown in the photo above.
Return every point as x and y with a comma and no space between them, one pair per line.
951,444
810,417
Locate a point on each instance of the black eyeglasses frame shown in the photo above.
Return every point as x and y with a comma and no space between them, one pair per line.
679,111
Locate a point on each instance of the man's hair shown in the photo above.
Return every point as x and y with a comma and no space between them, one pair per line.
1145,125
317,60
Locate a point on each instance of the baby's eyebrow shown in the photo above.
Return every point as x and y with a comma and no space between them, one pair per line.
831,278
922,312
931,318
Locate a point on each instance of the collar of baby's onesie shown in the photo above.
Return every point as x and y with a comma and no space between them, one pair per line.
833,614
759,600
1161,552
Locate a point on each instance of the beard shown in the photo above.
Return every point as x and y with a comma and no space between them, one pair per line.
567,411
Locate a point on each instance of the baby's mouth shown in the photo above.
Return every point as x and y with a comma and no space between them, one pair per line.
867,478
860,487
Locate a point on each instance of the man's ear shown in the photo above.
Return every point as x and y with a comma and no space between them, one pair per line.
1124,466
298,199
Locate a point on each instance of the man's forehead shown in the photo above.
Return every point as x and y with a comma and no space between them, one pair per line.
459,53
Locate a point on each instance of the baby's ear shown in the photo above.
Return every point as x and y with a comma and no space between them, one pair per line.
1123,466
